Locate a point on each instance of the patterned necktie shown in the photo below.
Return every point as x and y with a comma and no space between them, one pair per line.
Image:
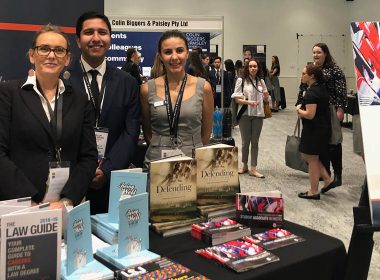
94,87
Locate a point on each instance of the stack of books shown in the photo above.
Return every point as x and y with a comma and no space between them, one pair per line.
124,183
274,238
78,261
217,180
219,231
133,243
239,255
173,195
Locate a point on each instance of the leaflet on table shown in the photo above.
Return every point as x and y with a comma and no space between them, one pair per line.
219,231
274,238
162,268
79,262
239,255
31,243
260,208
133,234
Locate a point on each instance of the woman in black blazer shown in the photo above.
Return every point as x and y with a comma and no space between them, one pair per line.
42,122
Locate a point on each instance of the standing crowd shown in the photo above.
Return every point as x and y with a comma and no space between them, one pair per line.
80,117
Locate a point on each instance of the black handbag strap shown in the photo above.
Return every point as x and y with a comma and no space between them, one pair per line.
297,129
243,107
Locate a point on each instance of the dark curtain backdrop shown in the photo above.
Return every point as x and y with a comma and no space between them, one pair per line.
14,44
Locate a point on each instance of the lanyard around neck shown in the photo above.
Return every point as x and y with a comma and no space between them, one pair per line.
173,116
101,93
55,121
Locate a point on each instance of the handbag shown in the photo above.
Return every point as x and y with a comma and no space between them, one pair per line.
267,110
293,157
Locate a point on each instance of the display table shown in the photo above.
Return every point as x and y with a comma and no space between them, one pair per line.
320,257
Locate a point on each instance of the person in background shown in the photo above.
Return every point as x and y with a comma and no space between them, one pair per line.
157,68
131,66
215,76
273,74
336,86
44,123
316,128
206,62
177,108
250,93
230,69
239,69
196,67
115,102
247,54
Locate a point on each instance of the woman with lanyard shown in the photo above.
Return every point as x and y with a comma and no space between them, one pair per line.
250,93
47,143
177,108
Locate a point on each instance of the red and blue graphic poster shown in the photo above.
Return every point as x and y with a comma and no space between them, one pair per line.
19,20
366,49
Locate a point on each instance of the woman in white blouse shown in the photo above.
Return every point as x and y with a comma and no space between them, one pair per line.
250,93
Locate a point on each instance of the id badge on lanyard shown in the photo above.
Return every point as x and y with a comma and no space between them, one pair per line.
59,173
101,134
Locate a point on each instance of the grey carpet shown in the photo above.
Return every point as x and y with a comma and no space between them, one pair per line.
331,215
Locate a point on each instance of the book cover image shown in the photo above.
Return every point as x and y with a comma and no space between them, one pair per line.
31,244
274,238
134,226
239,255
78,240
266,209
217,174
173,194
163,269
124,183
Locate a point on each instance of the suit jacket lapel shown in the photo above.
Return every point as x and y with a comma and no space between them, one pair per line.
33,103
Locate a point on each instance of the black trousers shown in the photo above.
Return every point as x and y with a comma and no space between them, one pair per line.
335,158
98,199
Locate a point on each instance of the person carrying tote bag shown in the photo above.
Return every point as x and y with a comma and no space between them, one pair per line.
316,129
293,157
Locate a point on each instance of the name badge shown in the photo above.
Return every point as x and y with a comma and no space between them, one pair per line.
218,88
59,173
159,103
171,153
101,134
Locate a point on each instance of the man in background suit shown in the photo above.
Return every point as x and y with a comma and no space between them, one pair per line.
115,102
215,75
131,65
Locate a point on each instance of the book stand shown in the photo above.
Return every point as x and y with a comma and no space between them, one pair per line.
361,243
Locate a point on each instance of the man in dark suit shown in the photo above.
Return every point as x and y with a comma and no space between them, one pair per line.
115,103
131,65
215,75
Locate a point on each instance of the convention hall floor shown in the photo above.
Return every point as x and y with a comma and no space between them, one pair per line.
332,214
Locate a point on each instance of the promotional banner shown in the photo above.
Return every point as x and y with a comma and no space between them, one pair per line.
257,52
146,44
366,49
19,20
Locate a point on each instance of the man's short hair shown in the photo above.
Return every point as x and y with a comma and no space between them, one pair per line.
91,15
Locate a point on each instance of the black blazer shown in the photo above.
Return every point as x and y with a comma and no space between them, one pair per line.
120,113
226,87
27,147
